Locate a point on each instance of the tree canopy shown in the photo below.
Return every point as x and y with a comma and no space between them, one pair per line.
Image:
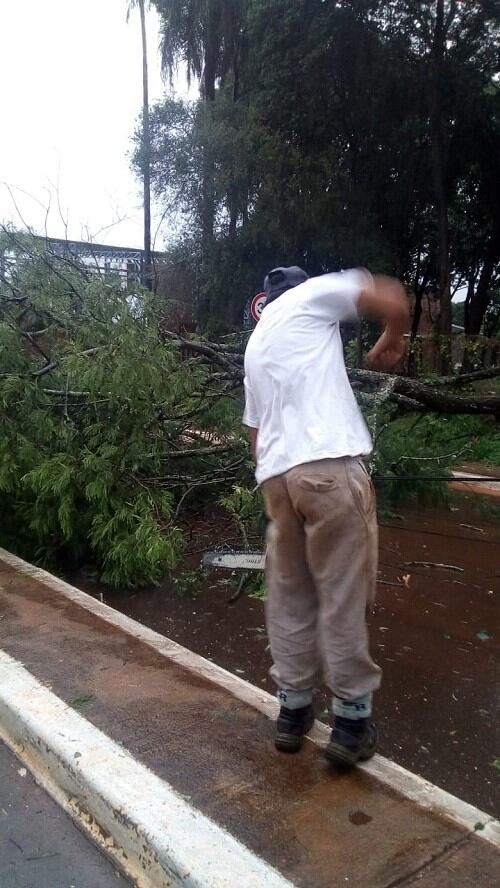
332,134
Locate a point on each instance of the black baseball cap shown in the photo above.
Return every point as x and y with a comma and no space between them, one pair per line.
281,279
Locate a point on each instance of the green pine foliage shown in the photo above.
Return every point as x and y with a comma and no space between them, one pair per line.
418,451
93,403
246,508
452,440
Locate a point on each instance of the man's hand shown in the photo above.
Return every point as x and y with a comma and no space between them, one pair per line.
387,351
386,300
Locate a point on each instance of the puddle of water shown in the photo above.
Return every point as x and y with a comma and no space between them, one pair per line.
359,818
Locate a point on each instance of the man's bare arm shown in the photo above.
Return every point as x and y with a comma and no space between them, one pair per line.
253,442
386,301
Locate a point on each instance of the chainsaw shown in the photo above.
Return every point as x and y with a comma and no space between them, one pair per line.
230,559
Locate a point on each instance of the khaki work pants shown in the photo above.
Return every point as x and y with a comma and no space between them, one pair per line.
321,567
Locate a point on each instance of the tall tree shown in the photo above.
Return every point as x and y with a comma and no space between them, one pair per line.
206,35
147,273
437,54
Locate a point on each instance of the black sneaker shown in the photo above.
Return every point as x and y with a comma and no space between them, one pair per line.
351,741
291,727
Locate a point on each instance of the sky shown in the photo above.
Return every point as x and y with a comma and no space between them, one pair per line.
71,77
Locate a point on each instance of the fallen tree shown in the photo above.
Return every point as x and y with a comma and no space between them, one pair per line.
429,396
113,427
106,431
407,392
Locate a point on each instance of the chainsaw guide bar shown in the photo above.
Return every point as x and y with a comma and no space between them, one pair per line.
234,560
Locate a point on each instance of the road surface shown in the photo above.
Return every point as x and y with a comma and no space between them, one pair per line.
40,847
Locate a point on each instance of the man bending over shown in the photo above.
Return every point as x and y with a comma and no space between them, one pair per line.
308,438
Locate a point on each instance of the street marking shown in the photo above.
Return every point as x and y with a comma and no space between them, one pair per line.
154,834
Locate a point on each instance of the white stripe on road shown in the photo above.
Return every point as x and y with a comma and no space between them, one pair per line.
149,828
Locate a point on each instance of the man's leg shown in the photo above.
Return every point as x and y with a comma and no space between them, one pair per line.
337,500
291,616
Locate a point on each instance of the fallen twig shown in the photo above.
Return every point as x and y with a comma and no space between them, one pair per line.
389,583
471,527
239,591
199,451
433,564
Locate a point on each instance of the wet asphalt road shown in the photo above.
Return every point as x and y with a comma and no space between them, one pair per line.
40,847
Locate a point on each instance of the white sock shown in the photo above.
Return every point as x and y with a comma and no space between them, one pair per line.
293,699
353,709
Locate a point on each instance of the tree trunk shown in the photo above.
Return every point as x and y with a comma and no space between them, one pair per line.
207,219
466,361
438,174
232,204
419,288
146,156
359,344
415,394
417,314
468,299
211,51
481,297
207,209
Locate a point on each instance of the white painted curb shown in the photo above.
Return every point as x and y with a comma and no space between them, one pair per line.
156,834
404,782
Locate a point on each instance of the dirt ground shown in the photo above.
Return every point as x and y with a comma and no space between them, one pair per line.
436,633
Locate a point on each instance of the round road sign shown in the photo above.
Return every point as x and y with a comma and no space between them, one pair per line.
257,304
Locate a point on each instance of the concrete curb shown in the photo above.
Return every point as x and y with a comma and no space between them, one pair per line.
150,831
404,782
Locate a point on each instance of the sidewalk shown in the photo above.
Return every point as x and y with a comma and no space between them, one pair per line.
206,738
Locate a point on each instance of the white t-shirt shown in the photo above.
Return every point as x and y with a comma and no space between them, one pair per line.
296,388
